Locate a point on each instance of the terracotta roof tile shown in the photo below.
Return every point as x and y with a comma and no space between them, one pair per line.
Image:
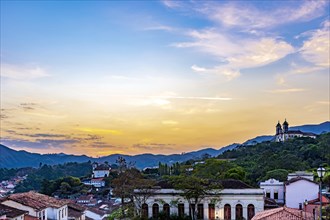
10,212
36,200
283,213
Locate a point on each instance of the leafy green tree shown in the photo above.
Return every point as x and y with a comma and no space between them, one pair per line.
236,173
194,189
212,169
279,174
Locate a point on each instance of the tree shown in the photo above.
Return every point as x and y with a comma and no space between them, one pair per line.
122,165
143,190
194,189
124,185
236,173
212,169
279,174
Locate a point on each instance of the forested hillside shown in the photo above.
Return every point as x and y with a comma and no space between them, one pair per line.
273,159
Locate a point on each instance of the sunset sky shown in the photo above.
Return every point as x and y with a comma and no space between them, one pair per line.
103,77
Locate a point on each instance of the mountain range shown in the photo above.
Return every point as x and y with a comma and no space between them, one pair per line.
10,158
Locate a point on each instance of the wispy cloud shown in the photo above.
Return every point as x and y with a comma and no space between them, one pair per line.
154,146
227,72
22,72
316,48
101,131
172,3
257,46
244,15
235,54
160,28
290,90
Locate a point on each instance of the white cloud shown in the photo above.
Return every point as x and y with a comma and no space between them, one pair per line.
198,69
235,53
172,3
249,17
316,48
159,28
228,73
22,72
290,90
260,52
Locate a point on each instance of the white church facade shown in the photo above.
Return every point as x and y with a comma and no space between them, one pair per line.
283,133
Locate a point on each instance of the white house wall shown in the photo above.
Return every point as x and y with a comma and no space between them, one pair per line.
56,213
101,173
297,192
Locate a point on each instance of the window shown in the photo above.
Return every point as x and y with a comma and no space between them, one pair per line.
144,211
200,211
275,195
166,210
63,213
227,212
181,210
155,210
211,211
250,211
239,212
268,194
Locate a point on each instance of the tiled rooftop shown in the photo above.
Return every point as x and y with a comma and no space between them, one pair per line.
36,200
10,212
283,213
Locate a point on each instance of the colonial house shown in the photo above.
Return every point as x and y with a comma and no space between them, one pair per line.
273,189
283,134
87,200
100,170
96,182
10,213
236,200
298,190
38,205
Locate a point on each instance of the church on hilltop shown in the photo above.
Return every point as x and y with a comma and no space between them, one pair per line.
283,133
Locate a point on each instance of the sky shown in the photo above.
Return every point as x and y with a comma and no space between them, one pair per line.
162,77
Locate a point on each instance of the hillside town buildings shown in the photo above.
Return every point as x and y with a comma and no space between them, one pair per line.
299,192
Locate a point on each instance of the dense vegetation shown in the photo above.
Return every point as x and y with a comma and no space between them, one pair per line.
273,159
46,172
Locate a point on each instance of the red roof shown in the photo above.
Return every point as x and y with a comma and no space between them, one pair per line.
283,213
325,200
36,200
298,179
